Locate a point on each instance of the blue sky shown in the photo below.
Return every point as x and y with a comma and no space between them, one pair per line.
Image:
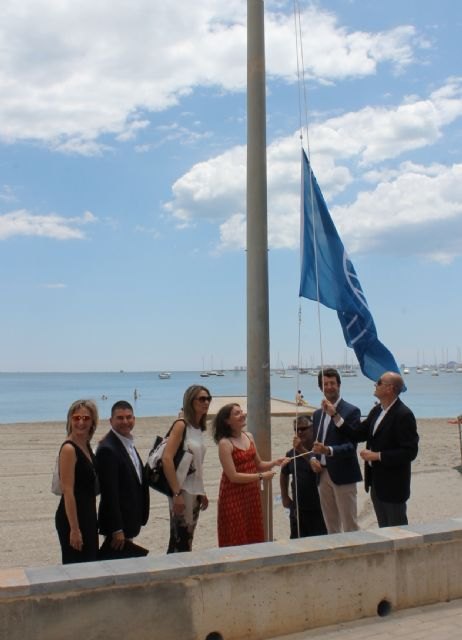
122,178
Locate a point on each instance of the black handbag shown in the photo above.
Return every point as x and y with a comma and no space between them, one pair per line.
154,470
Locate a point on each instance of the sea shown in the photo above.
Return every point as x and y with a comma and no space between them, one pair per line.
35,397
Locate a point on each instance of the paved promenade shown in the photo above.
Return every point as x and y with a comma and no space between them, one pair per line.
435,622
279,408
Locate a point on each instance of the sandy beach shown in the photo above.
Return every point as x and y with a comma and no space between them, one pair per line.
27,506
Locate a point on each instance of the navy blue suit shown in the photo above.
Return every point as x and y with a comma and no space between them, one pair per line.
338,478
343,465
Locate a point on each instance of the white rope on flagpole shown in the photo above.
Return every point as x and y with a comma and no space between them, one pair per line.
303,109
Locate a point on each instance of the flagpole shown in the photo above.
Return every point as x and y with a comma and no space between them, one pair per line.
258,360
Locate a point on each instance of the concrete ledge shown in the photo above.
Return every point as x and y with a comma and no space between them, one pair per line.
253,592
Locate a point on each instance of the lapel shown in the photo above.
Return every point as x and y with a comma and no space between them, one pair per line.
330,425
125,455
386,419
318,424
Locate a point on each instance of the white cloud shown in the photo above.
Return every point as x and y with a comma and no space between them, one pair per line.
331,52
419,211
72,72
54,285
183,135
150,231
212,190
24,223
375,134
7,193
406,197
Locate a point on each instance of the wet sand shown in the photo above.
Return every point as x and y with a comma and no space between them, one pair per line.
27,506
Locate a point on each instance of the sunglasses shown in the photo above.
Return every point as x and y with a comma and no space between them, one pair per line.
78,418
204,398
299,429
380,382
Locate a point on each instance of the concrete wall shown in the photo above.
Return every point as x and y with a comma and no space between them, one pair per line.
250,592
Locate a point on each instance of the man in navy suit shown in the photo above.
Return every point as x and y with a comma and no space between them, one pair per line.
336,462
390,432
124,505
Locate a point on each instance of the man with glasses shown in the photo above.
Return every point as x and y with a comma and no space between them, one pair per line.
306,517
390,432
124,505
335,459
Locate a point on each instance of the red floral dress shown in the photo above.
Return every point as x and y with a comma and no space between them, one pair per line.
240,515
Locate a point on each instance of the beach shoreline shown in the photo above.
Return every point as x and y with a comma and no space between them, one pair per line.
27,506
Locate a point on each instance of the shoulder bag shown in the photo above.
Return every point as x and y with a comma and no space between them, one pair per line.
182,461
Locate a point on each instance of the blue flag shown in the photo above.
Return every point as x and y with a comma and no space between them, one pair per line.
328,273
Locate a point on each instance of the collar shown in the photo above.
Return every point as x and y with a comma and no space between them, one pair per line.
389,406
127,442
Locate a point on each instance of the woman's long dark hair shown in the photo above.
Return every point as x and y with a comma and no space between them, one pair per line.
220,425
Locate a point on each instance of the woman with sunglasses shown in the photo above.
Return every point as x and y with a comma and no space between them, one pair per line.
76,520
189,499
304,506
240,514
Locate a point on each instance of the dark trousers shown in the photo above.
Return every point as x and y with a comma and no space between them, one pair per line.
389,514
310,523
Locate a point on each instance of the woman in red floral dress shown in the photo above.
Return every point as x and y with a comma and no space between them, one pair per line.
240,517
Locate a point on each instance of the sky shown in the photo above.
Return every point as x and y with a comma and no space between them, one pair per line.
123,184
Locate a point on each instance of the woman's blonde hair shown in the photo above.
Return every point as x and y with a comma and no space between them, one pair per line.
92,408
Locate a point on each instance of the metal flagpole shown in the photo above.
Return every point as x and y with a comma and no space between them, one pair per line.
258,359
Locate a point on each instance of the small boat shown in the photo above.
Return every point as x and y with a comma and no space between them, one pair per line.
348,372
165,375
406,370
283,373
204,374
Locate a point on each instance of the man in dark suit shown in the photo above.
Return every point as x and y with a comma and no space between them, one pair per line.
124,505
336,462
390,432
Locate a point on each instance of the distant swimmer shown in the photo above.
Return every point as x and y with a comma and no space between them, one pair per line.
135,395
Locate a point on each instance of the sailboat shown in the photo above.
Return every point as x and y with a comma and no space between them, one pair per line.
204,373
284,374
347,370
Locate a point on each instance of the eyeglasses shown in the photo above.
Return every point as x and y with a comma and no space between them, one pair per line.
204,398
77,418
